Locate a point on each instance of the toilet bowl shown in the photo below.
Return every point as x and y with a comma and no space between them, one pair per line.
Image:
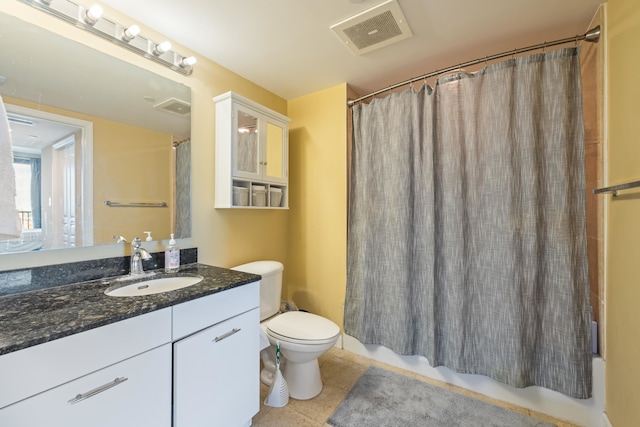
303,337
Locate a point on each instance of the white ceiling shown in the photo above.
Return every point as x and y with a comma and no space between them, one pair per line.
287,47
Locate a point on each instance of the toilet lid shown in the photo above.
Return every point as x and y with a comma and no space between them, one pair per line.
300,325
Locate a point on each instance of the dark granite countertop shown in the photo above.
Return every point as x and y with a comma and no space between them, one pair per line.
36,317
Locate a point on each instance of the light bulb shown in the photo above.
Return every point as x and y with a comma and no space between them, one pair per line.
188,61
130,33
92,14
161,48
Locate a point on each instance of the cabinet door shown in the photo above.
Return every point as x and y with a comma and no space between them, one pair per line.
42,367
246,154
216,374
132,393
276,159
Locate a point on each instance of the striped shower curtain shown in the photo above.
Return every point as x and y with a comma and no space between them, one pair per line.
466,233
183,190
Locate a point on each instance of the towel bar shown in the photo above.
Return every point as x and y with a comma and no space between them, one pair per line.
614,189
135,204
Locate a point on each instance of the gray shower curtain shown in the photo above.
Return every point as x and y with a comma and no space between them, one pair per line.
466,233
183,190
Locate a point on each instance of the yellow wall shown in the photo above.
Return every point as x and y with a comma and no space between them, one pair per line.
623,238
143,176
223,238
316,273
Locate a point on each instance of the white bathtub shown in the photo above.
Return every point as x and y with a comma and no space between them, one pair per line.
588,413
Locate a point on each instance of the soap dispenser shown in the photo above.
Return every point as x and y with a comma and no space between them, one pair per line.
171,257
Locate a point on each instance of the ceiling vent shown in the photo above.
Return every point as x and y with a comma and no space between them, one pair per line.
19,120
174,106
374,28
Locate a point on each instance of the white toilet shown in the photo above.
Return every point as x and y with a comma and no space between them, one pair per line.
303,336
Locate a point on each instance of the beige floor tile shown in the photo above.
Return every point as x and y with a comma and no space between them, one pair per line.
285,417
347,356
320,407
339,374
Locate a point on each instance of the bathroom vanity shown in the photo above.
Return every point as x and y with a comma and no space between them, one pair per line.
73,356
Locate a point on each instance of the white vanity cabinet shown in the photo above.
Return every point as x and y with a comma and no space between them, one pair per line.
252,146
193,364
217,381
132,393
118,374
216,369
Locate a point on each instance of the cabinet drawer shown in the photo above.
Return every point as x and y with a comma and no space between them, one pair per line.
193,316
142,397
36,369
216,374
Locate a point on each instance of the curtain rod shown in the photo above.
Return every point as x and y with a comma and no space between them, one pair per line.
184,141
593,35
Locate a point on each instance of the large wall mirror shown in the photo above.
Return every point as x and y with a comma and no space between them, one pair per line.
101,147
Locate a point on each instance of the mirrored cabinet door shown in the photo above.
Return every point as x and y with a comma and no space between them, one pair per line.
275,154
247,155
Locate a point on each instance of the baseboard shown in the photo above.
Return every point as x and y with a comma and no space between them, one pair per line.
587,413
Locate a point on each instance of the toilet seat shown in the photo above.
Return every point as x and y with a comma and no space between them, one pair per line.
302,328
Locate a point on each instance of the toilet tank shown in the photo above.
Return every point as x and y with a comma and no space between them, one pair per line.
270,285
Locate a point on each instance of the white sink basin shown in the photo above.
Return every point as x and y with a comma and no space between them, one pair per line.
154,286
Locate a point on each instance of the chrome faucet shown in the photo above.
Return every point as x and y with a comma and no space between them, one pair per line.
138,253
119,239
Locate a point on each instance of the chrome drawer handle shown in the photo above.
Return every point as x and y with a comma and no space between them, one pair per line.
100,389
227,335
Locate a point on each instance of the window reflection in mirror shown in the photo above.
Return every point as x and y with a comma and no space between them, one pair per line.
27,170
122,145
52,163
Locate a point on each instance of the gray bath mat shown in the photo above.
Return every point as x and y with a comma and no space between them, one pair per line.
383,398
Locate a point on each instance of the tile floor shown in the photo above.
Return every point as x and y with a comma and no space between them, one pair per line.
340,370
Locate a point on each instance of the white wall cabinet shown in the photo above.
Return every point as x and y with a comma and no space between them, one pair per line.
252,154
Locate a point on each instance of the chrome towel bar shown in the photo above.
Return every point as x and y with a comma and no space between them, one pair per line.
135,204
614,189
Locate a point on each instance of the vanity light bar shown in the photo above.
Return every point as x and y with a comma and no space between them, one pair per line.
91,20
